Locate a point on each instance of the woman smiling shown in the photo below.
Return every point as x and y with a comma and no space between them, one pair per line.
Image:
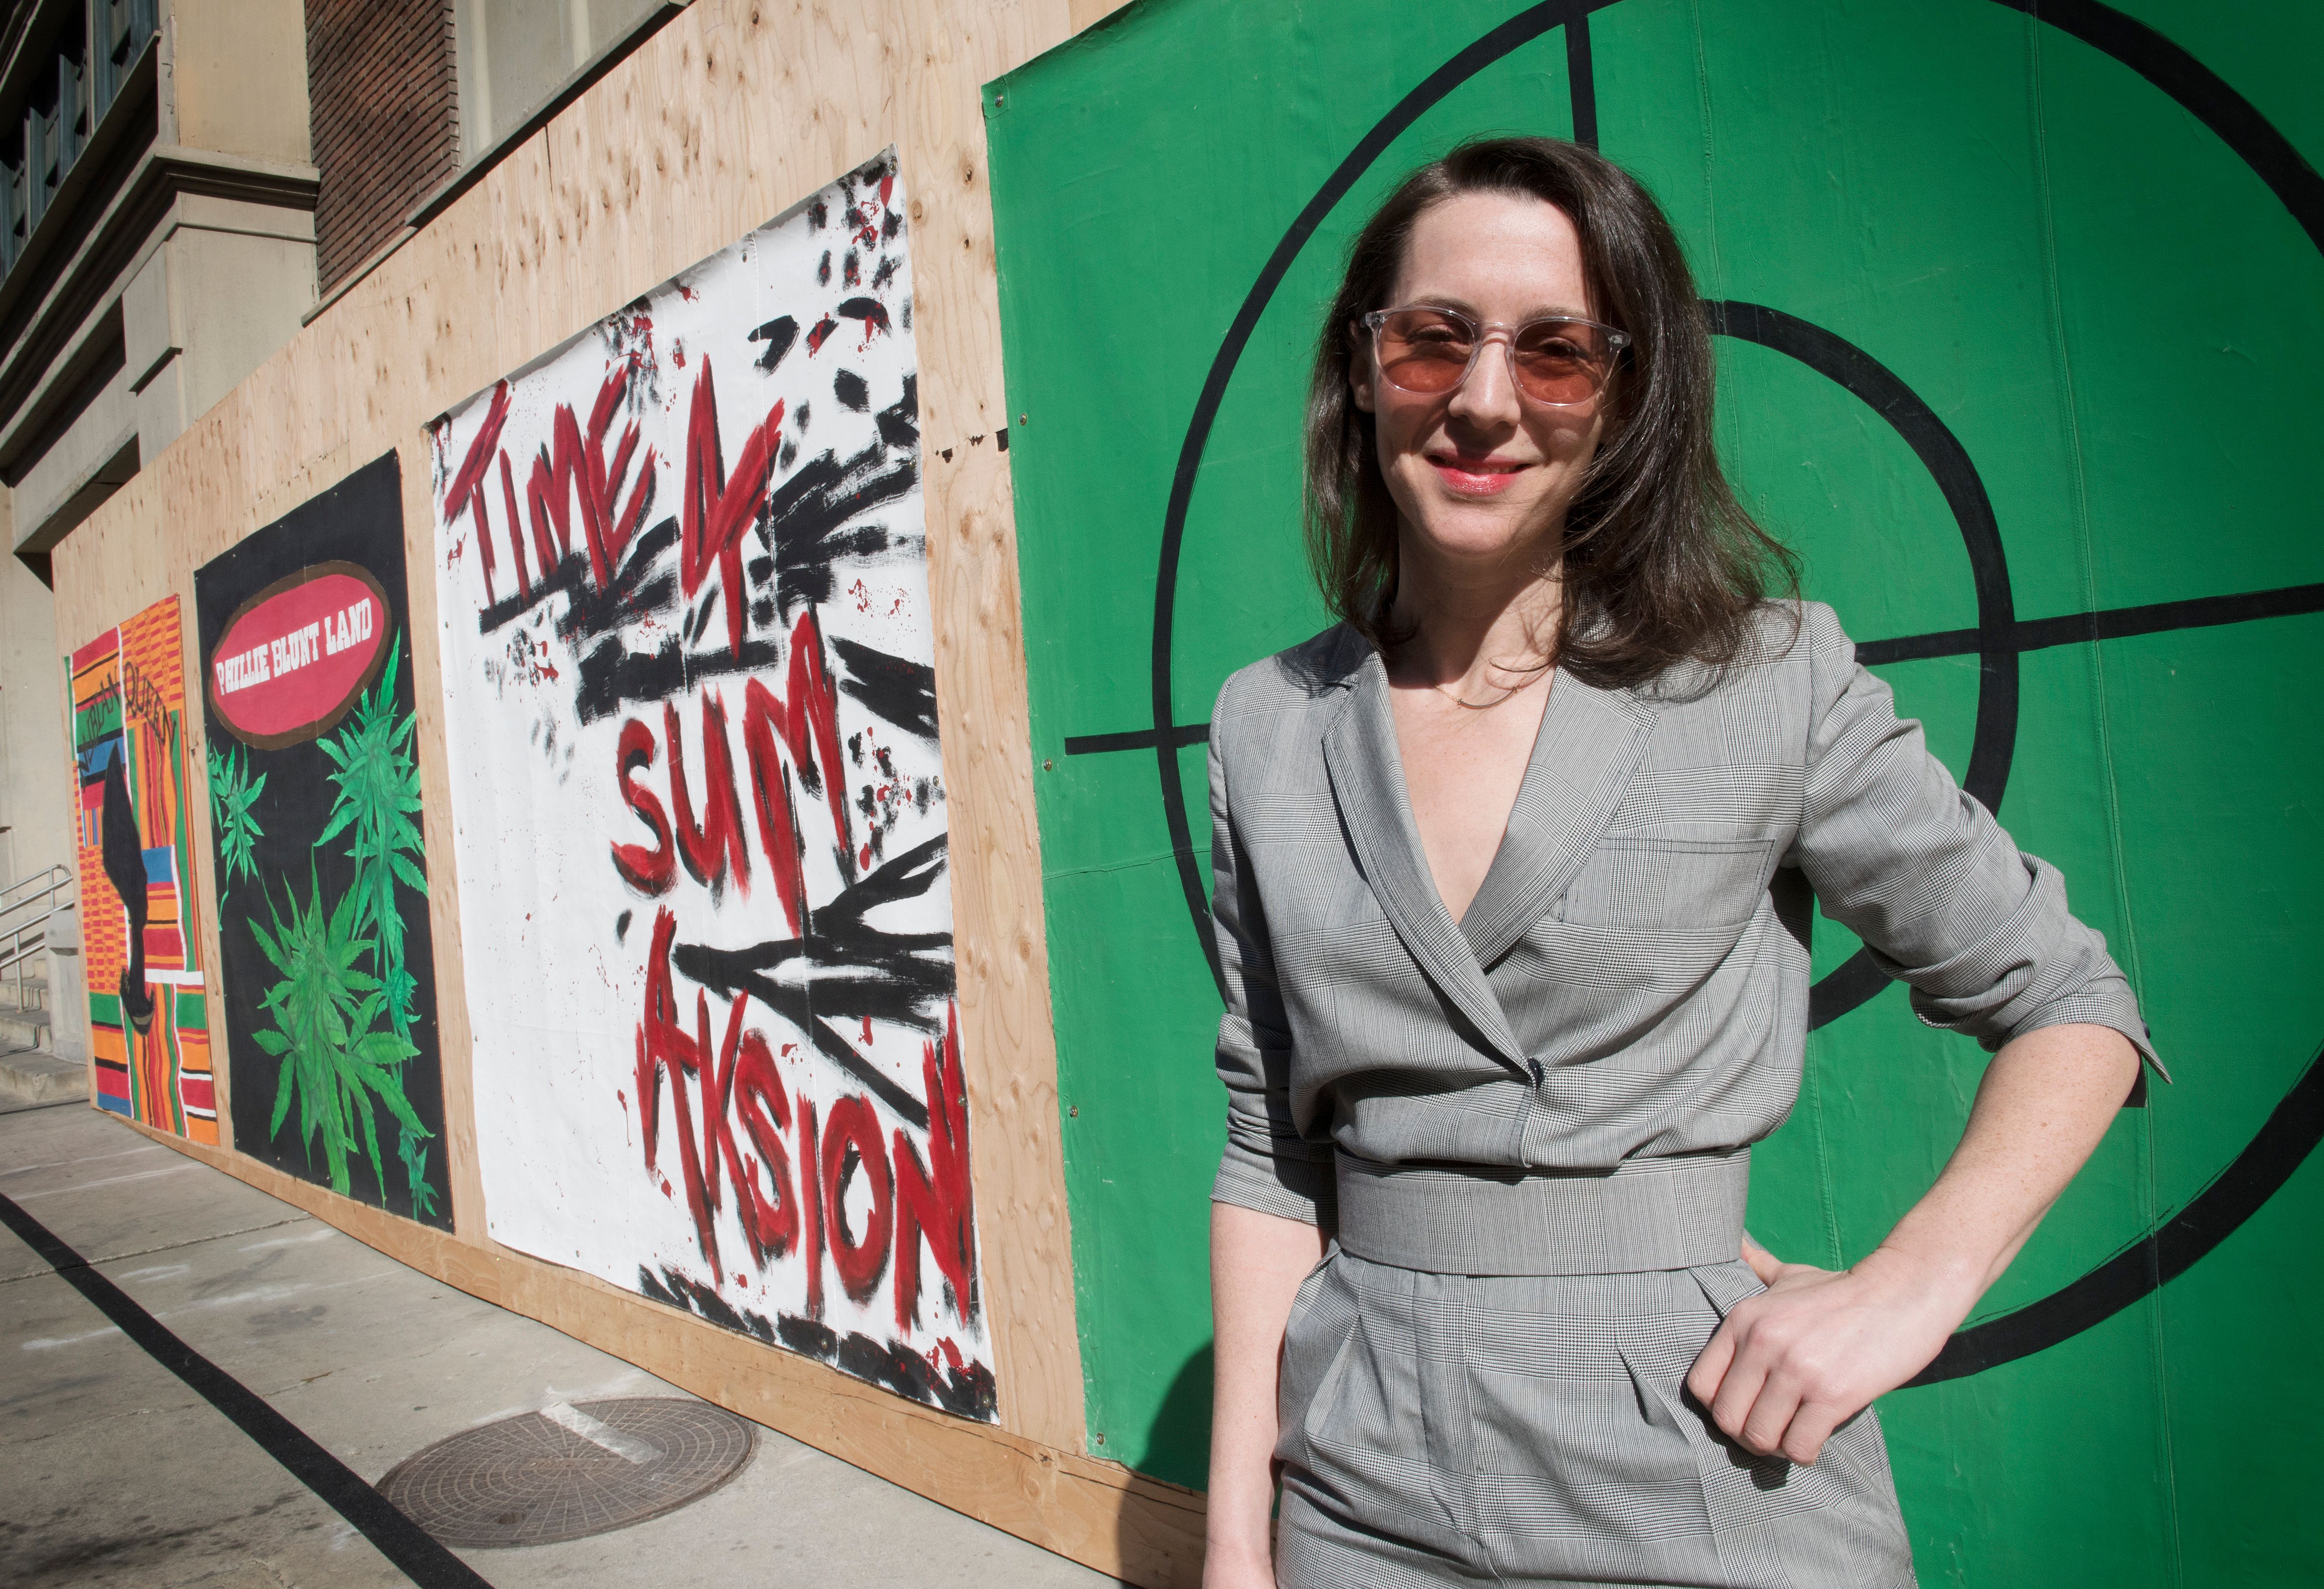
1511,872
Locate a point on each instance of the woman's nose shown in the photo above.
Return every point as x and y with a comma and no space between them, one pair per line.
1488,394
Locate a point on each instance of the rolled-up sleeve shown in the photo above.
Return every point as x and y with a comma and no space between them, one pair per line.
1942,896
1268,1165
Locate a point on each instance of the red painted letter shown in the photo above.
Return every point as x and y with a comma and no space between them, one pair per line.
648,871
851,1136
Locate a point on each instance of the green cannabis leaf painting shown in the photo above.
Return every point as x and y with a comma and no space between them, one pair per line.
335,1061
232,792
377,803
321,861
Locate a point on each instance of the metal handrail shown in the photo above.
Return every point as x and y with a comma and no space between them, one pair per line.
28,937
46,881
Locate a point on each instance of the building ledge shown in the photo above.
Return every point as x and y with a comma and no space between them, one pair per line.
233,176
115,241
87,494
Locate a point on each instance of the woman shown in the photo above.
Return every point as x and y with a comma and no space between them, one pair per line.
1511,870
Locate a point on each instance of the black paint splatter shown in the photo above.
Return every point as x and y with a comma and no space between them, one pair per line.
870,311
611,676
807,524
853,972
900,691
778,334
900,422
638,589
968,1392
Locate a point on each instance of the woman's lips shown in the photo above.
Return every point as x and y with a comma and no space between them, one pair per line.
1475,477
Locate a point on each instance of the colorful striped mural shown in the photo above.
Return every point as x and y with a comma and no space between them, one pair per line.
148,1009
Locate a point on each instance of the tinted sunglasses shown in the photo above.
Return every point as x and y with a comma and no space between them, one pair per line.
1557,360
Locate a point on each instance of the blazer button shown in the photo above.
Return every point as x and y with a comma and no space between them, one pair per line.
1534,1066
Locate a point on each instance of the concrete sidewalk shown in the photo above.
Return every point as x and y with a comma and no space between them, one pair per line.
113,1472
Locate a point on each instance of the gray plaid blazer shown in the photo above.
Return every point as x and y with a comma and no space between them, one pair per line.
1624,989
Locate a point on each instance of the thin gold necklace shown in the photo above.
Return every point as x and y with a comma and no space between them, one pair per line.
1508,692
1472,705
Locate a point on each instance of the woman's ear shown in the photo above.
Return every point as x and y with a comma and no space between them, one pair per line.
1359,365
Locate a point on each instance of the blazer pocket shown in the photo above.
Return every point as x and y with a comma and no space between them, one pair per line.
1670,884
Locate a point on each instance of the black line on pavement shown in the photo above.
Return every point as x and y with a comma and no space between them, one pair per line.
411,1547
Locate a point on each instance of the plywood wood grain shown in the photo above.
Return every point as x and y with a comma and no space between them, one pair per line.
732,112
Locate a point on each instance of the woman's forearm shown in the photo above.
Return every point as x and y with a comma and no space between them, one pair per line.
1257,1263
1786,1368
2045,1102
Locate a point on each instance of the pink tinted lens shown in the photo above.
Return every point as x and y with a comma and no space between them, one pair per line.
1561,361
1423,350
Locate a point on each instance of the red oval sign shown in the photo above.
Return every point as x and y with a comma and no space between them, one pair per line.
296,656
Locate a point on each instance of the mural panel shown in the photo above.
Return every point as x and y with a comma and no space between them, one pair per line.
699,807
148,1009
321,872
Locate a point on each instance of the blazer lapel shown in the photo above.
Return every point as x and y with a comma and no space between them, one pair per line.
1587,750
1360,751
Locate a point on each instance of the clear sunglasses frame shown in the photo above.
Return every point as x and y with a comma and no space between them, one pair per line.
1481,334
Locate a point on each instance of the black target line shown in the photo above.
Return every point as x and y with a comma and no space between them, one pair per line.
1518,30
2115,623
2030,634
414,1551
2201,92
1183,734
2292,1134
1993,745
2256,1174
1581,82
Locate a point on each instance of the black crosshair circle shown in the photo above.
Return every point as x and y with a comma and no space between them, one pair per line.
2297,1124
1994,744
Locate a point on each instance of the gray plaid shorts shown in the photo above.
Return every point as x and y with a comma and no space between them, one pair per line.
1445,1429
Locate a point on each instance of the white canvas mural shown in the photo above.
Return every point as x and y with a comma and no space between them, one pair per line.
700,811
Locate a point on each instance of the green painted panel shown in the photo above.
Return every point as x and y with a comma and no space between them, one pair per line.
2117,319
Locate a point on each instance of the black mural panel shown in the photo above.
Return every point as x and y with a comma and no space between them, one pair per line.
328,967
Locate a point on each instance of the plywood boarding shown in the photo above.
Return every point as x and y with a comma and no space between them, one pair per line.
730,114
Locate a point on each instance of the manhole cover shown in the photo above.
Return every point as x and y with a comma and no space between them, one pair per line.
569,1472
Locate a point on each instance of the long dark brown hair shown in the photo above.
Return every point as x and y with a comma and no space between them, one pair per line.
1660,563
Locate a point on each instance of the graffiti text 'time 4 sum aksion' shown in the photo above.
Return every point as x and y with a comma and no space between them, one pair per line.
722,708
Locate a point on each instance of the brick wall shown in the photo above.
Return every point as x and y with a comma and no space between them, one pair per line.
384,98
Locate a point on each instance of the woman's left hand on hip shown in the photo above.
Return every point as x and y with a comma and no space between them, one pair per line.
1787,1367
